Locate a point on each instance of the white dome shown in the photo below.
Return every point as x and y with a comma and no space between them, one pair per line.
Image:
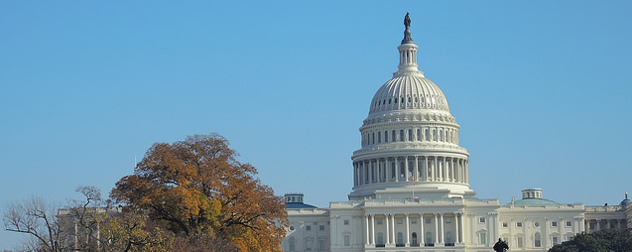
408,92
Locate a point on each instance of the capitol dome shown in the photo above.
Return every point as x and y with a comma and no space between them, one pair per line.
410,139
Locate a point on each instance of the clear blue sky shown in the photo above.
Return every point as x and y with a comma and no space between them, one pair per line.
541,90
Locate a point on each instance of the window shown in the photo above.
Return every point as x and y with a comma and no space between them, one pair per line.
504,224
428,220
414,238
413,221
401,135
519,242
373,138
346,239
483,237
418,135
429,238
380,238
481,219
518,224
410,135
308,228
537,224
321,244
555,240
308,245
386,136
568,223
292,243
393,136
379,137
321,227
346,222
554,224
537,240
448,237
399,221
400,238
379,221
448,220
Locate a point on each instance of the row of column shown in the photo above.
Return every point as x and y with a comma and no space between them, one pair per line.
439,135
437,238
417,168
609,223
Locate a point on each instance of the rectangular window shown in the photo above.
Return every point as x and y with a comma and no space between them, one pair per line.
568,223
483,237
448,220
399,221
379,221
321,227
518,224
308,245
346,222
481,219
554,224
428,220
413,221
346,239
504,224
555,240
321,244
308,228
519,245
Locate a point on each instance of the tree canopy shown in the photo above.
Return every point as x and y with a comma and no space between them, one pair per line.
604,240
197,188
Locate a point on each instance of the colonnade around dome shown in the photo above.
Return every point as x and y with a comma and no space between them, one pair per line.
410,169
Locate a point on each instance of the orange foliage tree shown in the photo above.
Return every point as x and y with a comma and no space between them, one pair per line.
196,188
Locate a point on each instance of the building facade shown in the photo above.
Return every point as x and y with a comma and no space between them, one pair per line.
411,190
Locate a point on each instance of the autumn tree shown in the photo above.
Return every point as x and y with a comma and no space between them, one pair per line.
197,189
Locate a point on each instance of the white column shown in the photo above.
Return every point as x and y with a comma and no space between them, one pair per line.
456,224
407,231
416,169
393,228
388,237
442,229
372,229
436,236
396,170
406,168
366,219
447,168
422,234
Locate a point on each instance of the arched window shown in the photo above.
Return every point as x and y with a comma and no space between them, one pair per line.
410,135
434,135
418,135
402,170
379,137
401,135
537,240
373,139
386,136
440,135
308,244
393,136
414,238
292,243
427,135
393,172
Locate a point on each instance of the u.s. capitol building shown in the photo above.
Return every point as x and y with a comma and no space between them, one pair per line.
411,190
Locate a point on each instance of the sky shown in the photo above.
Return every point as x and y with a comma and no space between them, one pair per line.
540,88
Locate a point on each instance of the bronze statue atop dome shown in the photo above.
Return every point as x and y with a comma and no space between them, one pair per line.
407,37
